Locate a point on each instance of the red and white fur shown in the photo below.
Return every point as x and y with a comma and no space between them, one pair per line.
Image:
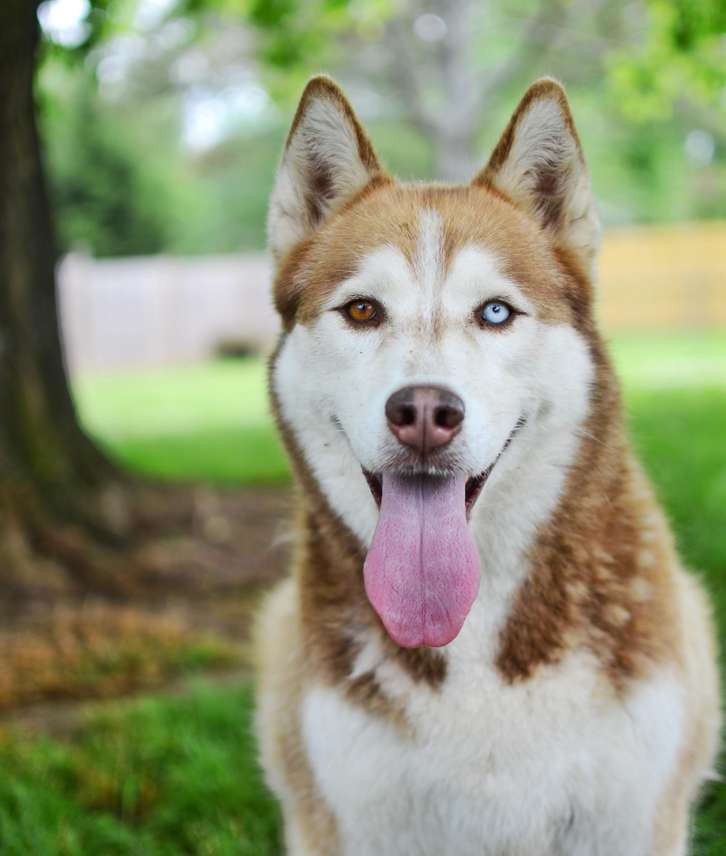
576,712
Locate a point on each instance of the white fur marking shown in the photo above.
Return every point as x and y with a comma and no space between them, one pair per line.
473,778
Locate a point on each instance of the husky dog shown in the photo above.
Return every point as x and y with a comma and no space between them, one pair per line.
488,646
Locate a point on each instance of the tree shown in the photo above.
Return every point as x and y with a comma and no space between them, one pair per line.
89,158
681,60
50,471
63,505
40,437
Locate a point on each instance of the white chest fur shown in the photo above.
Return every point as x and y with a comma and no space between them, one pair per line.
556,766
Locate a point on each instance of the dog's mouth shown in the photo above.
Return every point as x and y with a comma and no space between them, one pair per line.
422,573
473,486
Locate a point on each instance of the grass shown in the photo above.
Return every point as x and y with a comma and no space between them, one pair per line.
209,422
161,777
178,775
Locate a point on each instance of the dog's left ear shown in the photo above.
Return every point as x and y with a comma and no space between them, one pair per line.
538,163
327,158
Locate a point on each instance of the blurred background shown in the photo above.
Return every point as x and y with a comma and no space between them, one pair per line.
143,492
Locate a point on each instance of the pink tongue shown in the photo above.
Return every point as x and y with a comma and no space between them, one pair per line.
422,570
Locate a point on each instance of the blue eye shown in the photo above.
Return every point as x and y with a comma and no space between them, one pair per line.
495,312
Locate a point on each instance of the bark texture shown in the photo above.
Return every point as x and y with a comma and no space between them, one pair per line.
40,438
55,483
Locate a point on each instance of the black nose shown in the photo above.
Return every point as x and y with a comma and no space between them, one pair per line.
424,417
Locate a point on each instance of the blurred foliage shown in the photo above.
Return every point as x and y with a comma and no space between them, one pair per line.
645,81
109,198
683,56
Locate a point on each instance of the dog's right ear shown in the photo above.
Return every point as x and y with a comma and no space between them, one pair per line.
538,164
327,158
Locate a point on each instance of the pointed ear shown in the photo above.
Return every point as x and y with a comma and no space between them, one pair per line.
539,165
327,158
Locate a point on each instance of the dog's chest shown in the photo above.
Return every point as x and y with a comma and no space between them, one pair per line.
552,766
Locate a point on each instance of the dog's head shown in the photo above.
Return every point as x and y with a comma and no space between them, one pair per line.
433,338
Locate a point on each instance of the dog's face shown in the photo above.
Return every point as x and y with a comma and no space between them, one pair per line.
432,338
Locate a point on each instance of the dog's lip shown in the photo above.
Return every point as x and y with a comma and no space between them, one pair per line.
375,485
474,484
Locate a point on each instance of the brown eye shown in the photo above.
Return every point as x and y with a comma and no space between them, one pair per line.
362,311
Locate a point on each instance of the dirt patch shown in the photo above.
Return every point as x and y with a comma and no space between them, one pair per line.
198,563
102,650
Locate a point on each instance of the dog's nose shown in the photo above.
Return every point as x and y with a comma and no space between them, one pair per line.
424,417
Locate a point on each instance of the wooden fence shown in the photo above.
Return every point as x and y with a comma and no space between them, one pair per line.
143,312
161,310
664,278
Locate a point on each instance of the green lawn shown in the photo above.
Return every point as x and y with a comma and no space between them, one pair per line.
163,777
178,775
209,422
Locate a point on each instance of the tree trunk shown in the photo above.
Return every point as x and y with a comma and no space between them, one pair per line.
55,484
40,438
